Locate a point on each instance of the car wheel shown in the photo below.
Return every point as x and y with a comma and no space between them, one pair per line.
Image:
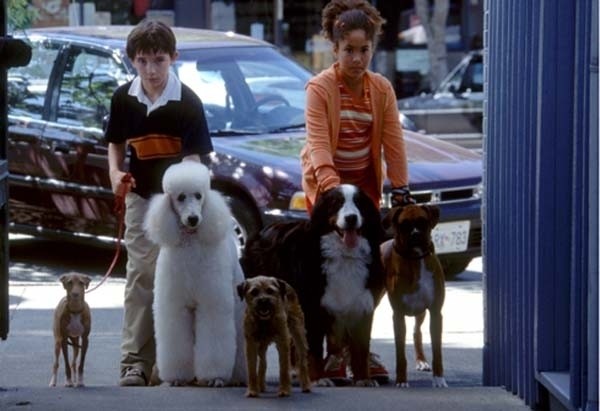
454,265
244,221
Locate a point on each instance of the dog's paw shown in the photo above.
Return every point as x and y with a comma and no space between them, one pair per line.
283,393
325,382
211,382
79,381
402,384
423,366
217,382
236,383
306,387
366,383
439,382
251,393
178,383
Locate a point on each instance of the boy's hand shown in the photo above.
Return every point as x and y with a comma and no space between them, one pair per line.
118,184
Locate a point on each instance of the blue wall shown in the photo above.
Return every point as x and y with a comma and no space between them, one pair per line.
541,203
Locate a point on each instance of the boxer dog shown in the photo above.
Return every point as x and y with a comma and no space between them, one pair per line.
414,284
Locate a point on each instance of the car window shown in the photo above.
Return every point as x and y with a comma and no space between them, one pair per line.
27,85
452,84
473,78
467,76
206,82
272,86
88,82
250,89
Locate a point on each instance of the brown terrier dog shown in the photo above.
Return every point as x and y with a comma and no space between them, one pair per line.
273,314
72,325
415,284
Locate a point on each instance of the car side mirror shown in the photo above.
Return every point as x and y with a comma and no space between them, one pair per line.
14,53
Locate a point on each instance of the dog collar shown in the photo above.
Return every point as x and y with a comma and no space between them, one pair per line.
412,256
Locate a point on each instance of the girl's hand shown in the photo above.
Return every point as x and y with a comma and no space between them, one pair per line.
401,197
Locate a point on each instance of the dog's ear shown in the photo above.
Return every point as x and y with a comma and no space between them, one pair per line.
282,288
86,280
434,214
241,289
160,222
390,217
64,279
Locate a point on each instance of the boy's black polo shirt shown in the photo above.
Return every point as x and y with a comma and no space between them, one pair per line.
158,139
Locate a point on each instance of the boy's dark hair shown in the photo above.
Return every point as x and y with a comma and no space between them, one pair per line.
340,17
150,36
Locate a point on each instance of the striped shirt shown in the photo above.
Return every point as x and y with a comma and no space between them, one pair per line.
354,143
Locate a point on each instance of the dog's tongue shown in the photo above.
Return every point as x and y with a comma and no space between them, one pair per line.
350,238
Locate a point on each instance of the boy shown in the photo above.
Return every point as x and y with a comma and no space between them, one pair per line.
162,121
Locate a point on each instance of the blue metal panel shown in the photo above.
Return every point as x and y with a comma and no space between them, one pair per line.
578,332
589,11
554,206
511,70
539,222
591,397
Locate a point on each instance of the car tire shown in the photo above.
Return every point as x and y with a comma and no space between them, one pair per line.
245,223
454,265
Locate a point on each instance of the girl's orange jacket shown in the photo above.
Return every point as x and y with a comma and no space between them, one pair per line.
322,123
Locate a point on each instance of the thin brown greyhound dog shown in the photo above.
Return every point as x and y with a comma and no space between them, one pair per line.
72,325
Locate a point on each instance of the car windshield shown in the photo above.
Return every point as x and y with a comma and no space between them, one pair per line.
465,77
245,90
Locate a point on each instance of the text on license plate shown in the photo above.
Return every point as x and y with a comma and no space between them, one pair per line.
451,237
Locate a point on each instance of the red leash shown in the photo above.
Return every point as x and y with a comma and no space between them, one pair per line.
119,209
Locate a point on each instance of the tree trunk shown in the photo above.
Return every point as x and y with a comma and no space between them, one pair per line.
435,28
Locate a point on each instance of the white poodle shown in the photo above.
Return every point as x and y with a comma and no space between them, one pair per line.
197,319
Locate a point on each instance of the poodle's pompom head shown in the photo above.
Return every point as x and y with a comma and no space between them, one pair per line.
185,176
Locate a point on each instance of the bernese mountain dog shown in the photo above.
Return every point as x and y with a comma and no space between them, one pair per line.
333,262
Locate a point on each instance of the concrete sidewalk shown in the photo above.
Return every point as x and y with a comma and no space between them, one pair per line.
26,358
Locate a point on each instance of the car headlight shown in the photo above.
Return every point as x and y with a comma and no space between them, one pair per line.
478,192
298,201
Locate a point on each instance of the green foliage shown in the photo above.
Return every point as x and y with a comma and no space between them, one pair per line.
20,15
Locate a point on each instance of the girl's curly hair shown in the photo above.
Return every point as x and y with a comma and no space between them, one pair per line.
339,17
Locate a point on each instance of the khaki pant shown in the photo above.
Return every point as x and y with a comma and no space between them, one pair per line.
137,345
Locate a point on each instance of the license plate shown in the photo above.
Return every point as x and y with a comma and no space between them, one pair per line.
451,237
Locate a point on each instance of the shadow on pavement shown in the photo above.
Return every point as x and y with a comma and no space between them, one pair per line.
39,260
27,353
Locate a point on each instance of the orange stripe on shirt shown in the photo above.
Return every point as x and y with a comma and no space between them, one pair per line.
353,152
153,146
